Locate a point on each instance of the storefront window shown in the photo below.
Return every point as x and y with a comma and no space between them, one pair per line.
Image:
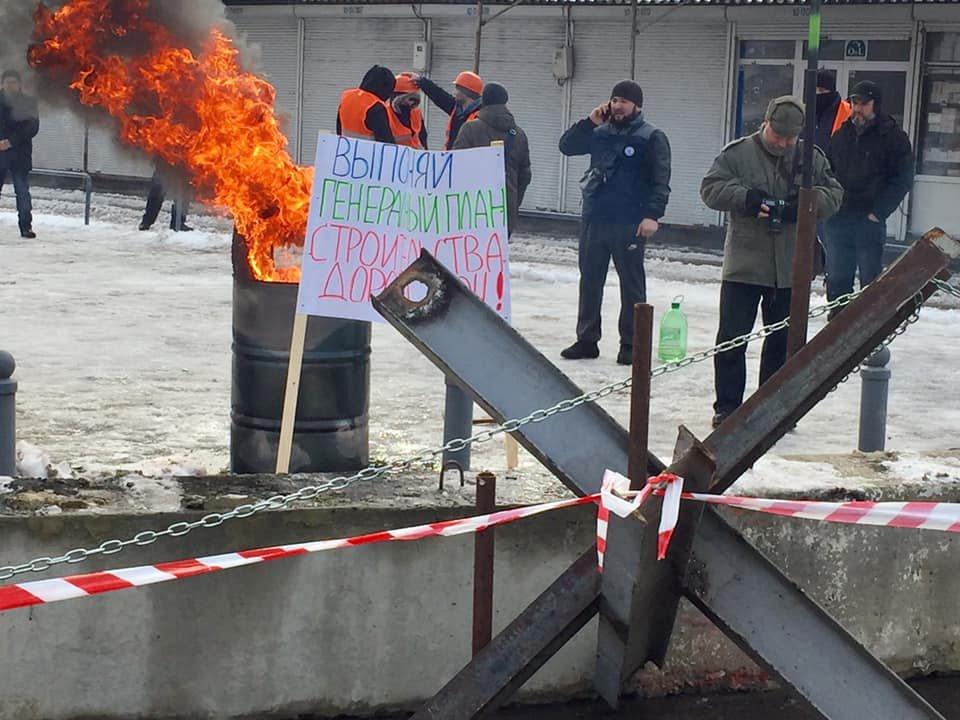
939,151
767,49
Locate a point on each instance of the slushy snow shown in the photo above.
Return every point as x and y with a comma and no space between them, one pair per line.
122,340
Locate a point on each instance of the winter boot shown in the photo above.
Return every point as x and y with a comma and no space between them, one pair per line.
581,350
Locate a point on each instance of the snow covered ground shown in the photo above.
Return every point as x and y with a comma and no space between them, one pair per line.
122,340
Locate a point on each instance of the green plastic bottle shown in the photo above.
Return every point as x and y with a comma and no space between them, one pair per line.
673,333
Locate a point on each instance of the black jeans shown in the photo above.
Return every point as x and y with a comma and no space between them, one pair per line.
21,186
155,200
738,312
598,243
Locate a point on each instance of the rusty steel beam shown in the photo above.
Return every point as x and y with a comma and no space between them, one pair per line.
822,363
513,656
450,327
454,328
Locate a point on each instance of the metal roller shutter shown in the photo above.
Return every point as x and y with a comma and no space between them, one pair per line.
108,156
682,70
517,53
602,56
278,40
59,144
337,53
453,42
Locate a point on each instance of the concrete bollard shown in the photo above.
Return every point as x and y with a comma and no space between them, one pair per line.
8,415
875,383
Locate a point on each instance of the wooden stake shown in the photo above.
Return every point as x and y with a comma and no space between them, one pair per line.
290,397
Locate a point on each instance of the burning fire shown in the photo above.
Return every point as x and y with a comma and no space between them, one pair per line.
201,113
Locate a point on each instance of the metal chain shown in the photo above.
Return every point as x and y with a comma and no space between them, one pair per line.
947,288
279,502
760,334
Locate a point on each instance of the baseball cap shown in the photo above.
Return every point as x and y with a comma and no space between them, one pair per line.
865,91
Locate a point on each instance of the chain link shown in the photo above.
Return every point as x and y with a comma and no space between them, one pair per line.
760,334
279,502
947,288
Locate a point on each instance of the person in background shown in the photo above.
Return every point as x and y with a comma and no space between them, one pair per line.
19,124
462,106
625,193
873,161
363,110
756,179
832,110
495,122
164,179
406,118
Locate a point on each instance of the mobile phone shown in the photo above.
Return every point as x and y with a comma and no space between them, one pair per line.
606,111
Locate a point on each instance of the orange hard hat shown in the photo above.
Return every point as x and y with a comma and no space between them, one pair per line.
405,85
469,81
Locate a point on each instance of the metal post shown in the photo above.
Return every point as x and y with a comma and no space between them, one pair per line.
483,565
457,423
476,49
87,180
640,394
807,207
875,382
8,415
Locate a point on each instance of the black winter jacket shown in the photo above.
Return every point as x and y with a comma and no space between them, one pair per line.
875,168
19,123
826,118
629,176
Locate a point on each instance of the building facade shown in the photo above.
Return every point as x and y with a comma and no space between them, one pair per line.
707,70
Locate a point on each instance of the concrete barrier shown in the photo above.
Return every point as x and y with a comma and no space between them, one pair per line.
382,627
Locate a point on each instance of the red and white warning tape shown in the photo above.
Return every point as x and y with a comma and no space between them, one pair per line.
614,497
47,591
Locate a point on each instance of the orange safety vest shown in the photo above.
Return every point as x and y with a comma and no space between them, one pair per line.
844,111
472,116
354,104
409,136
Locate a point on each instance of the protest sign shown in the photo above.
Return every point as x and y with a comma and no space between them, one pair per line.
375,206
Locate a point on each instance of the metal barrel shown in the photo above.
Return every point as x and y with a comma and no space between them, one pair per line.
330,431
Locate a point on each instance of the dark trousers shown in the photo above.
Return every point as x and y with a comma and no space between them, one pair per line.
738,312
21,187
853,243
155,200
598,243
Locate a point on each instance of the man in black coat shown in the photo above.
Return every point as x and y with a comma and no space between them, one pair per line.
872,158
625,193
19,124
832,110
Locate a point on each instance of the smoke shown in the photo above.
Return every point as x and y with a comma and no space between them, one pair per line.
189,20
16,19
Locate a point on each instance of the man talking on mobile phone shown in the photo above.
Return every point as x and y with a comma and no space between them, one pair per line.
625,193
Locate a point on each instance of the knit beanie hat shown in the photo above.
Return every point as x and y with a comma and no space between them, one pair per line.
628,90
494,94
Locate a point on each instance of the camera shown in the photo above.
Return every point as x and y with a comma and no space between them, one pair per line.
776,214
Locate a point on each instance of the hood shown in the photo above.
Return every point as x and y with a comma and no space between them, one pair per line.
827,101
498,117
380,81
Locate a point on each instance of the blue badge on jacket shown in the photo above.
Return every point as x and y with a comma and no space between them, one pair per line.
629,151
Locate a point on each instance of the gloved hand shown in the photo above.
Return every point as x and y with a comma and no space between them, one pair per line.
791,209
751,205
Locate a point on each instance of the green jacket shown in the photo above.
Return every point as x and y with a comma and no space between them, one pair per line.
752,254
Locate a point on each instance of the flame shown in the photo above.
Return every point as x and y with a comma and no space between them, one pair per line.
200,112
